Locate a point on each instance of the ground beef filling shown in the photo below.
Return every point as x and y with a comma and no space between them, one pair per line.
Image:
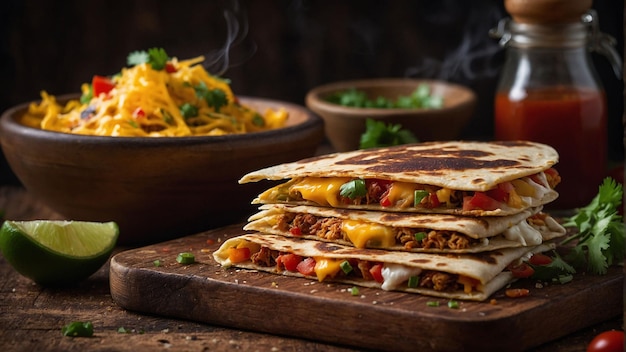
430,279
330,229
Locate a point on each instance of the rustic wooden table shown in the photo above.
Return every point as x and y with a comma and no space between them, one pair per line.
31,316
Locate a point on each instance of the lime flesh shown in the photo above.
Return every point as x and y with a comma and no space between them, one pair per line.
57,252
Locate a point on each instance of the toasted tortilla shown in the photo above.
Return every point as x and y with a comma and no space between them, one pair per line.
456,165
487,269
484,233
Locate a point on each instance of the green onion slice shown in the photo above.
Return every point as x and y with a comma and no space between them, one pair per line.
418,195
413,281
346,267
419,236
186,258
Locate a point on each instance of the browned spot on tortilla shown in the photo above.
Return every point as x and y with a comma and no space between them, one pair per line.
434,161
327,247
489,258
420,261
442,264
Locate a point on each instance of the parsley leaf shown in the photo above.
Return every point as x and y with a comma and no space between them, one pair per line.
353,189
601,232
156,57
379,134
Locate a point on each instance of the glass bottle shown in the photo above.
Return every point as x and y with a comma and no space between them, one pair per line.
549,92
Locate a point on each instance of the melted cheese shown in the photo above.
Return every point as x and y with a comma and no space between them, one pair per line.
396,274
321,190
325,267
443,195
361,233
524,234
402,194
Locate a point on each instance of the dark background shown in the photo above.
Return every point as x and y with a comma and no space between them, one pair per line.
282,48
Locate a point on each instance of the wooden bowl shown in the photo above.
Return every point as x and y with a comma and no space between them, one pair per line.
154,188
344,125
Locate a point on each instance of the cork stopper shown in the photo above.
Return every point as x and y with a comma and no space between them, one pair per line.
547,11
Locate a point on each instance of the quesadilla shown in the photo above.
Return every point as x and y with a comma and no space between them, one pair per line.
430,233
455,276
455,177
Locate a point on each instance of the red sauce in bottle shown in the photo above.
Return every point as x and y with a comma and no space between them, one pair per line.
570,119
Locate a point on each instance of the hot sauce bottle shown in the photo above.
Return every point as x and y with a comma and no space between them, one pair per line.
549,91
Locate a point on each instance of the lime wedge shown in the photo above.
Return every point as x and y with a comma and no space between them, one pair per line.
52,252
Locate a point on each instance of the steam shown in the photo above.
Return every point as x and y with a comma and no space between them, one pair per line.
472,59
219,60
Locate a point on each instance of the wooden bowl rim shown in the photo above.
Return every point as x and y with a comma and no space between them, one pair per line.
10,125
315,102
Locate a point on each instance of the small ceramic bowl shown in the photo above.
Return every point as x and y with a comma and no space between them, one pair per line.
155,188
345,125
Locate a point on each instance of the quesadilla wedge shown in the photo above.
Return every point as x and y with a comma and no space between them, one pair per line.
458,276
429,233
456,177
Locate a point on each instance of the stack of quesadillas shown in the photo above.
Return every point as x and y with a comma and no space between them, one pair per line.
439,218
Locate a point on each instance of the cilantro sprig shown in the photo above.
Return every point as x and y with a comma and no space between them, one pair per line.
601,232
156,57
379,134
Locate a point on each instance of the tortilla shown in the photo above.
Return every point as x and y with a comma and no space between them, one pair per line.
437,233
449,171
460,276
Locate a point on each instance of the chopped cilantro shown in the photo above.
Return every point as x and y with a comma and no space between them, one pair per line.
188,110
420,98
258,120
452,304
354,291
379,134
167,117
78,329
215,98
353,189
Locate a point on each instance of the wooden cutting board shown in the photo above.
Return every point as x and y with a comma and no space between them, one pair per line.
375,319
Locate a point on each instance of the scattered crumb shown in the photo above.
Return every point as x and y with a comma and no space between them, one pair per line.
482,314
205,250
313,291
374,302
274,284
538,285
493,302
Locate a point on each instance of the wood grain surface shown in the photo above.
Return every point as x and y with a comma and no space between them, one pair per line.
262,302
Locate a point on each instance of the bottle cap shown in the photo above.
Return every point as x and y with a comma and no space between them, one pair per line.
547,11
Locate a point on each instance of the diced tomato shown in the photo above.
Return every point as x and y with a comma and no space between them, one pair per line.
540,259
306,267
238,255
501,192
101,84
384,201
433,200
377,273
295,231
290,261
170,68
139,113
522,270
480,200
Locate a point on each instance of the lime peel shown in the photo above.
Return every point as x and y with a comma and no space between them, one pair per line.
54,252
